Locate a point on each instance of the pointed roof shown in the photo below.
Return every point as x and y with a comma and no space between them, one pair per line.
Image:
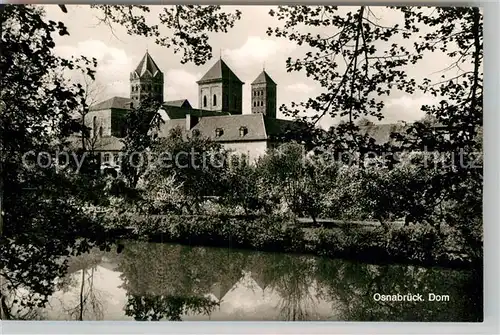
218,72
219,290
114,102
263,78
147,64
178,103
260,279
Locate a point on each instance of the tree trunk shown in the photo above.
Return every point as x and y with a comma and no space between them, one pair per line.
383,223
313,217
80,318
4,310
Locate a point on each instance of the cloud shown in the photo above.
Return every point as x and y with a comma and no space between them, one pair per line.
113,64
406,107
411,101
181,84
257,50
299,88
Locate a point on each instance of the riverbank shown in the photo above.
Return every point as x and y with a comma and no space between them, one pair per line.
371,243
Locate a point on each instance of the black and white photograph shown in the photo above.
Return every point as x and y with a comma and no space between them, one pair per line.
241,163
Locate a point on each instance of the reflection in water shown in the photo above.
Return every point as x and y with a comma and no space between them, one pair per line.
154,282
80,299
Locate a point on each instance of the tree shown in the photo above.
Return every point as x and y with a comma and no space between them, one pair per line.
360,63
457,32
242,187
141,126
300,181
92,93
356,65
363,122
384,193
41,227
196,163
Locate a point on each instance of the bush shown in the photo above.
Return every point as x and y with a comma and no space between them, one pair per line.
417,242
421,244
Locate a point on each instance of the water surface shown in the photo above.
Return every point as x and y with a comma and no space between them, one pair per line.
150,281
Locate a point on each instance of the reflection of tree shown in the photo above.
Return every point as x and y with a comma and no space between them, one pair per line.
89,298
292,277
155,308
166,281
351,286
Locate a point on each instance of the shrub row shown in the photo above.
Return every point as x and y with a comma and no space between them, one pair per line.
417,244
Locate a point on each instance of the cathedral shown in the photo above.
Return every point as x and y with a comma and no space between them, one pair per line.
219,116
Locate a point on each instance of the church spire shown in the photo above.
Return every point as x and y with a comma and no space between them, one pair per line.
147,64
146,79
264,95
227,96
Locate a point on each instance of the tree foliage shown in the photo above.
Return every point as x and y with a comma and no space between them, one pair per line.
355,64
242,187
360,62
196,164
41,226
141,126
300,181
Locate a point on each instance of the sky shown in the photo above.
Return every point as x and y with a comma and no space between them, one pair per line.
246,48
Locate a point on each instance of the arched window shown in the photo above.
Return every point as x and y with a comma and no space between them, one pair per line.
215,100
205,101
255,104
100,131
243,131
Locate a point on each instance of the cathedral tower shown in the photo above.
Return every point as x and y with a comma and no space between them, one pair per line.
221,90
147,79
264,95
